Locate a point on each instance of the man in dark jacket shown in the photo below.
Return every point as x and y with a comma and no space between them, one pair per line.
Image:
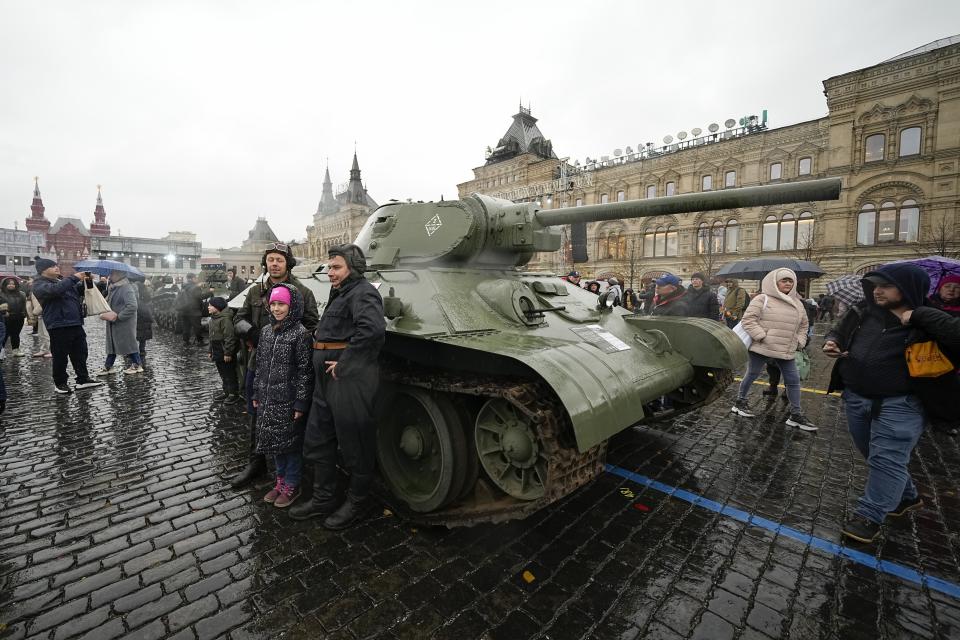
701,301
190,308
670,298
884,406
277,261
62,315
235,285
735,302
348,342
825,308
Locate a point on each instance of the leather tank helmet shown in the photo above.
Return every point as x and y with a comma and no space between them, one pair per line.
352,255
281,248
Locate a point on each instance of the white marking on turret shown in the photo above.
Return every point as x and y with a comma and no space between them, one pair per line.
433,224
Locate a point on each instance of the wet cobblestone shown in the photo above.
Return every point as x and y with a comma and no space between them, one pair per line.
116,521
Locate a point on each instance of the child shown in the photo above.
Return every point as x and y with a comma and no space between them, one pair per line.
223,348
282,389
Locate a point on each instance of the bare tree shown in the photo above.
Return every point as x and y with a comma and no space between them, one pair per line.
808,247
940,239
708,261
628,262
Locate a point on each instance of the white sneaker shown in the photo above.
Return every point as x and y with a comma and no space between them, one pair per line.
109,372
18,353
134,368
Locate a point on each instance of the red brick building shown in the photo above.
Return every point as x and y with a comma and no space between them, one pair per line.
68,238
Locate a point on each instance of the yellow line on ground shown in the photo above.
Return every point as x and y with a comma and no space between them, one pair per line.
765,383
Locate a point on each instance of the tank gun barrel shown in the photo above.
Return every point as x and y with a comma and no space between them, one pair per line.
805,191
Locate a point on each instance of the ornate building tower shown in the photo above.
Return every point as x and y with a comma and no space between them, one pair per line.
328,203
99,226
37,221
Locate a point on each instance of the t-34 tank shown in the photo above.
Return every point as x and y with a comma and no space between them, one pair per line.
501,386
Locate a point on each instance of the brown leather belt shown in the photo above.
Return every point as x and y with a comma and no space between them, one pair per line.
321,346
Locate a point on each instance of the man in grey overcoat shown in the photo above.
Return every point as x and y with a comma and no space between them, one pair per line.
121,338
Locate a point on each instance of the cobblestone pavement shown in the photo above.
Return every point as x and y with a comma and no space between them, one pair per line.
115,521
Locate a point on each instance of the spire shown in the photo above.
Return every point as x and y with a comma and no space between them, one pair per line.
37,221
355,191
99,226
328,203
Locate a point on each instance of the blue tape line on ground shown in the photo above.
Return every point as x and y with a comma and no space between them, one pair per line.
892,568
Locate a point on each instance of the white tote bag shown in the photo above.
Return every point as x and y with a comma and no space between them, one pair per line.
742,333
94,300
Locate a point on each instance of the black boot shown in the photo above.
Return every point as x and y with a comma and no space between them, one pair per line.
256,467
352,511
770,391
323,502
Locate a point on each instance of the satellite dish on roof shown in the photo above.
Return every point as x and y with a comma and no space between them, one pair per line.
618,152
713,128
682,135
696,131
730,123
667,139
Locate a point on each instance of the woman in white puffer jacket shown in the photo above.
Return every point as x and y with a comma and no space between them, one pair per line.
777,322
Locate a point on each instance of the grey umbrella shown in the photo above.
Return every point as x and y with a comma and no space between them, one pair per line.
757,268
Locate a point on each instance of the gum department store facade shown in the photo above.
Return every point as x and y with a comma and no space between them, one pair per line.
892,134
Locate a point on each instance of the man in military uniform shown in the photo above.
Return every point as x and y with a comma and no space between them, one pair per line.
347,344
277,261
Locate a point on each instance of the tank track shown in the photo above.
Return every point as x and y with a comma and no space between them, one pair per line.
568,469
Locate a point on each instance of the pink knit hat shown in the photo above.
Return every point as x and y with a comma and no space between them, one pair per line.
280,294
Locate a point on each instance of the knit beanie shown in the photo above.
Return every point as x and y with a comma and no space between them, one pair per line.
280,294
43,264
947,280
698,275
218,303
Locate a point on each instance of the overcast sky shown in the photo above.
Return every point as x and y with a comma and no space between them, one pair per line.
201,116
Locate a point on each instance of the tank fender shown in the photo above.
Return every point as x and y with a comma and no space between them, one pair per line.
706,343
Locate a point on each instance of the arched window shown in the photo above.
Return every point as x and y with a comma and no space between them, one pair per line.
671,188
579,202
788,232
652,191
873,147
717,239
671,241
732,240
910,142
730,179
805,230
648,244
706,183
703,238
867,225
804,166
660,242
604,198
621,196
909,227
776,170
887,222
891,223
769,242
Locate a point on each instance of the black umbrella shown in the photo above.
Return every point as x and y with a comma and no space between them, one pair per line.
757,268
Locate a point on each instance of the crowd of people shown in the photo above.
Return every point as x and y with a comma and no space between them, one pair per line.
897,354
309,380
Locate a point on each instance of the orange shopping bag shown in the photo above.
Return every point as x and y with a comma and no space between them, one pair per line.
926,360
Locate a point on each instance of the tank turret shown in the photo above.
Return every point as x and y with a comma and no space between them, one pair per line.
484,231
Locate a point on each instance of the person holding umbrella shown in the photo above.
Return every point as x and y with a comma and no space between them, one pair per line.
60,298
121,322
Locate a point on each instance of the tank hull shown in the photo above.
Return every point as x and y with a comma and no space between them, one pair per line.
485,336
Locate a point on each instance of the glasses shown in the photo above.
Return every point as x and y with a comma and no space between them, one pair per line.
278,246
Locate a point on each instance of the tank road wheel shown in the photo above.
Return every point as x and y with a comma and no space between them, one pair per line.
421,448
509,450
